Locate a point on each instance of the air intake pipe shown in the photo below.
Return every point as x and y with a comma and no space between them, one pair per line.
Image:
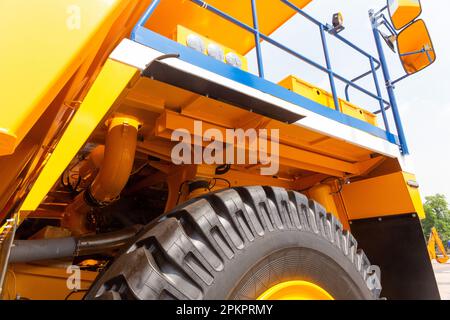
115,169
46,249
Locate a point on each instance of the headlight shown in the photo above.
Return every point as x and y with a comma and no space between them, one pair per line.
233,60
215,51
195,42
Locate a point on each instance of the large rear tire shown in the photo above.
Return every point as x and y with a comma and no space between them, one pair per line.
236,244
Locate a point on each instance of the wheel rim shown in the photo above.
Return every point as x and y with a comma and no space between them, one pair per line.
295,290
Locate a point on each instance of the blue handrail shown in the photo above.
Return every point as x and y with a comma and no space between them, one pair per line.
324,29
143,20
257,39
330,69
350,83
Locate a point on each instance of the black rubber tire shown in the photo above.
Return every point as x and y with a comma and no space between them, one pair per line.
236,243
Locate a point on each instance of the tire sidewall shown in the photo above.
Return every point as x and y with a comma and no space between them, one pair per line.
256,254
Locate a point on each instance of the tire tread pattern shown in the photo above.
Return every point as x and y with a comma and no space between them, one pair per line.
179,256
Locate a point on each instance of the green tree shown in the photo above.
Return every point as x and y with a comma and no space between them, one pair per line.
438,216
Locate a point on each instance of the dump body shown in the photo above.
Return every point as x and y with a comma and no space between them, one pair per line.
54,53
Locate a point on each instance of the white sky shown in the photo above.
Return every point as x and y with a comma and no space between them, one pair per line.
423,101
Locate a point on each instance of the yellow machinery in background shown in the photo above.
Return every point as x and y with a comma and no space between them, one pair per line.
433,241
137,142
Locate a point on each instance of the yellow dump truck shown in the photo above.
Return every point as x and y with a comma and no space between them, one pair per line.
144,154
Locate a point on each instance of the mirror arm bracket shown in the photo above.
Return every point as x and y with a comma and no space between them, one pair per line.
400,79
378,13
390,84
379,19
388,25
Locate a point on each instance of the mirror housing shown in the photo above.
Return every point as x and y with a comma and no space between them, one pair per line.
415,47
403,12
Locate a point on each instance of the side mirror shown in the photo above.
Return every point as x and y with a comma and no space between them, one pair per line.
415,47
402,12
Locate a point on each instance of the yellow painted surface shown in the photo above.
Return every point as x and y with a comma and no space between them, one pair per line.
382,196
151,97
108,87
295,290
47,45
43,283
328,196
414,194
272,14
323,194
183,33
289,156
325,98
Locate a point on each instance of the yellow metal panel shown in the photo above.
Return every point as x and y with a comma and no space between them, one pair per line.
107,88
44,44
289,156
153,96
43,283
356,112
382,196
414,194
325,98
307,90
272,14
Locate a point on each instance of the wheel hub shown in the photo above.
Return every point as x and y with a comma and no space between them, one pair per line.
295,290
